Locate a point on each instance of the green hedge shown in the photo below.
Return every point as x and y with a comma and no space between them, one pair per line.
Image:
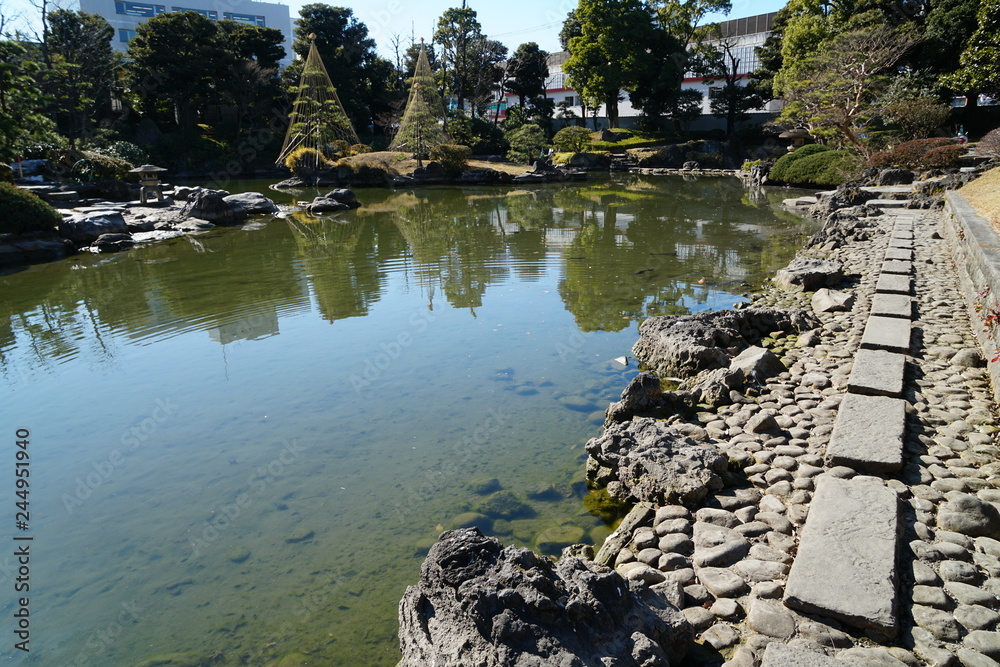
779,172
817,167
22,212
453,158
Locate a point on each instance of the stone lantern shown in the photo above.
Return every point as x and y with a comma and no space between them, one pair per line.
797,136
149,182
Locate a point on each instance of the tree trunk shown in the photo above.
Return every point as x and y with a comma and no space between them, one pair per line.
611,102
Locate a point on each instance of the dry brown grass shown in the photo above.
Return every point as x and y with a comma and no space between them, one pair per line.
401,163
984,196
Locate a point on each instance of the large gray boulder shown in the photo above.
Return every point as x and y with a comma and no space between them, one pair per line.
251,203
478,603
212,206
808,274
345,196
326,205
757,364
84,228
647,460
686,345
826,300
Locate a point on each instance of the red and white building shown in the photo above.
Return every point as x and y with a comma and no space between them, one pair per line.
742,35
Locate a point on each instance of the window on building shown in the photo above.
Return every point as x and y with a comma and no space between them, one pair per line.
208,13
245,18
570,100
138,9
124,35
714,92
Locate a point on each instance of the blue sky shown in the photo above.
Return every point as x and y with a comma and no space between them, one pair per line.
510,21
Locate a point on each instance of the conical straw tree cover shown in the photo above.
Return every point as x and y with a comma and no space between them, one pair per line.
318,118
422,126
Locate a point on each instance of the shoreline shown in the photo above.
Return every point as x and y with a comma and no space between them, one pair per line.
725,559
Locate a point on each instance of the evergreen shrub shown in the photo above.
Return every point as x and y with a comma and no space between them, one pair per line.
572,139
6,174
822,168
22,212
780,169
909,154
990,144
452,157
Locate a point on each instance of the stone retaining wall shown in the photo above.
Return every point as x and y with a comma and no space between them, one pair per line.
975,247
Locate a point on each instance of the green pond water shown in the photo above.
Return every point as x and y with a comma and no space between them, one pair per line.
242,443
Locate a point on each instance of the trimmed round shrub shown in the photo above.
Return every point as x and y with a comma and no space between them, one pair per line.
305,162
6,174
943,157
526,143
990,144
823,168
572,139
341,147
909,154
358,149
22,212
779,172
452,157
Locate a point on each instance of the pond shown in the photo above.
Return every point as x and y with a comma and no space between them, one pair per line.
242,443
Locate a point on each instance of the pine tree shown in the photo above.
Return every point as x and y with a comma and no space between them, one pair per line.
318,118
422,126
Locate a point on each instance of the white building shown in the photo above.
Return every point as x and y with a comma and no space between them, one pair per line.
125,15
742,35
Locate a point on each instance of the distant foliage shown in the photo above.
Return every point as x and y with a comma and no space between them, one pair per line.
124,150
572,139
990,144
909,154
22,212
6,174
453,158
482,137
358,149
306,162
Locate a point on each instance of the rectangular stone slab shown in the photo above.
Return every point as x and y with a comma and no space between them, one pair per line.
901,243
899,253
846,565
877,373
890,283
900,267
886,333
892,305
902,233
868,434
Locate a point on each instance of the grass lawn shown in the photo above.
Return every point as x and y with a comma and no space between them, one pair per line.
639,139
399,164
984,195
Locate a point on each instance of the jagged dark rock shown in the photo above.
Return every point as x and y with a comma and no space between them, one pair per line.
478,603
846,195
848,225
650,461
251,203
894,177
686,345
112,243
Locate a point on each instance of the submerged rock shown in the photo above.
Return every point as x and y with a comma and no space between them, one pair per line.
650,461
478,603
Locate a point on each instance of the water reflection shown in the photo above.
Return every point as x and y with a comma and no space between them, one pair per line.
629,250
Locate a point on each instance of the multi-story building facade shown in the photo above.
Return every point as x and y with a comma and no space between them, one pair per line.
125,15
741,36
